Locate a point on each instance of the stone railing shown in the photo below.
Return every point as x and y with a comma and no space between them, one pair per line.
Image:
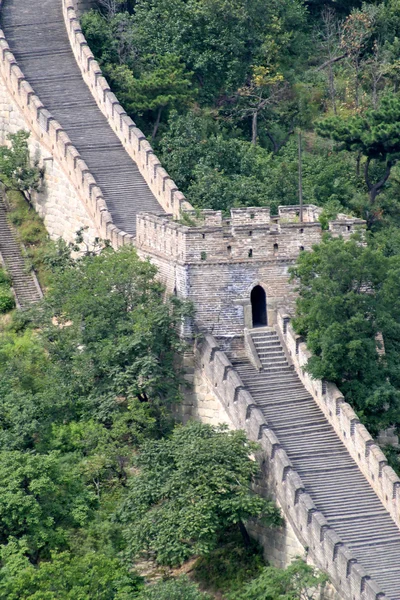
358,441
133,140
54,138
325,548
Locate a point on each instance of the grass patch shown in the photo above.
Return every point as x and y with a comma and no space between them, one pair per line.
229,566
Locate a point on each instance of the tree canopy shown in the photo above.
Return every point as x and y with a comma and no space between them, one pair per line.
347,312
191,487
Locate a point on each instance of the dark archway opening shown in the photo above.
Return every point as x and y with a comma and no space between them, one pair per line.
259,306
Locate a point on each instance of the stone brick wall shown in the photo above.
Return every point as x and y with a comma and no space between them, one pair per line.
216,261
358,441
58,201
306,526
133,140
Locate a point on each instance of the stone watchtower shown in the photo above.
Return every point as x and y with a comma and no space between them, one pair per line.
234,269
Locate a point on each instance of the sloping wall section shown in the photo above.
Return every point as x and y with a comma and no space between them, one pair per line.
133,140
325,548
361,446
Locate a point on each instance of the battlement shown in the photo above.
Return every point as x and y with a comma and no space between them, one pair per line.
248,234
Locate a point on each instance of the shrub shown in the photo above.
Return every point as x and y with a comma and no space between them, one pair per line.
173,589
7,301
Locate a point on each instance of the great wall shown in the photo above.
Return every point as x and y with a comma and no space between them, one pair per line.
340,499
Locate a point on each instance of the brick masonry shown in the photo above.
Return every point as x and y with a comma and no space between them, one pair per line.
215,262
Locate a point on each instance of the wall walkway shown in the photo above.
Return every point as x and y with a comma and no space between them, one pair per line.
25,285
37,36
329,504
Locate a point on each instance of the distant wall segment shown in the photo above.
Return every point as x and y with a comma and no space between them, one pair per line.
58,201
132,138
72,198
61,200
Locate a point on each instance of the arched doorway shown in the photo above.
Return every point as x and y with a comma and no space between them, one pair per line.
259,306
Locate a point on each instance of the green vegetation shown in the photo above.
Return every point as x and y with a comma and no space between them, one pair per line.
233,562
95,475
177,589
222,86
7,301
16,171
298,581
199,478
348,310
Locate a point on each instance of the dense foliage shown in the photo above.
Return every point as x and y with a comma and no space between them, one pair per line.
94,473
348,309
199,482
7,301
222,86
298,582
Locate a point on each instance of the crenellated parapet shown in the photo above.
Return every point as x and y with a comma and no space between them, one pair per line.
325,548
248,234
133,139
216,261
360,444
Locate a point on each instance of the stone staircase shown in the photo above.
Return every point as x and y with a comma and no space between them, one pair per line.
25,287
331,477
37,36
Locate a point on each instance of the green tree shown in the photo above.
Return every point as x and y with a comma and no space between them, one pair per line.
90,576
176,589
189,489
217,39
105,323
41,497
16,169
299,581
163,82
343,308
376,134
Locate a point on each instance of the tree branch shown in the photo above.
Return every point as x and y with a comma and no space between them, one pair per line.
331,61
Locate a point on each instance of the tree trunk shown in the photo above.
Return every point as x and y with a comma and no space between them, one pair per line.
156,124
245,535
358,162
357,83
254,128
332,88
375,188
278,145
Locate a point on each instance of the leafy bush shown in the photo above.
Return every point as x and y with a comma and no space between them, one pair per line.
173,589
7,301
190,488
299,581
5,279
230,565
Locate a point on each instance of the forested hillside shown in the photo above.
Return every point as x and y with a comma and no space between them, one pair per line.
223,88
97,480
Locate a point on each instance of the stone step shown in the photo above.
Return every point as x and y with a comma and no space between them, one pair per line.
24,286
42,49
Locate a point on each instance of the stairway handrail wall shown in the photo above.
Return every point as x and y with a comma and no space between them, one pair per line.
56,140
132,138
325,547
360,444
